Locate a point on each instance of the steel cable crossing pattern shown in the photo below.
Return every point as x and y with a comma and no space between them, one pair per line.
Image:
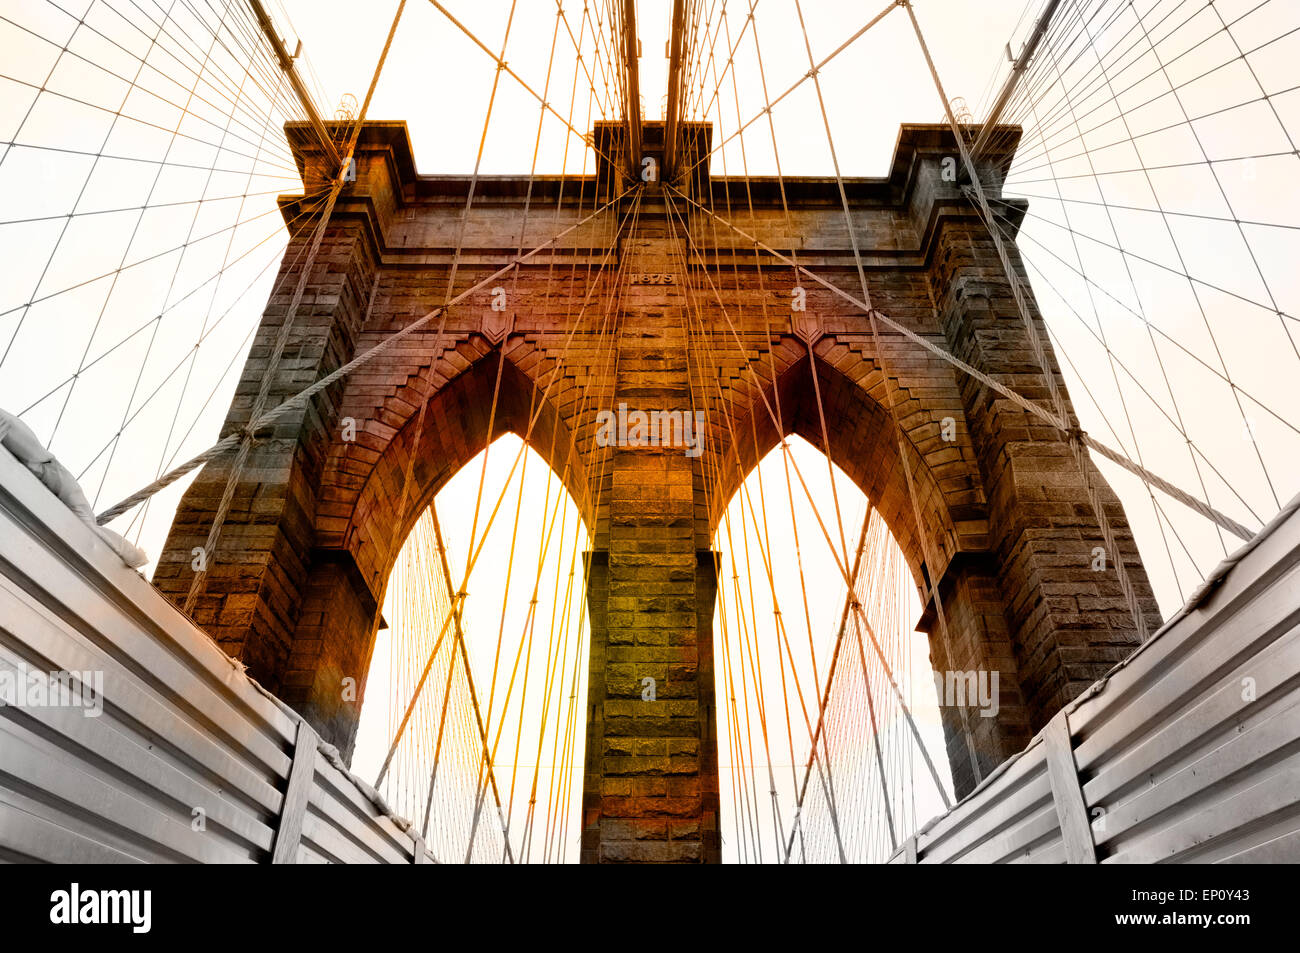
1165,486
1105,82
843,568
456,614
286,327
1149,478
212,77
567,740
261,418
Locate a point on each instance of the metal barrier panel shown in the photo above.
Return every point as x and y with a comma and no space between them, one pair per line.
1188,751
164,750
152,745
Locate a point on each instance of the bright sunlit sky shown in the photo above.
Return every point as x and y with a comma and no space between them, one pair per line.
103,363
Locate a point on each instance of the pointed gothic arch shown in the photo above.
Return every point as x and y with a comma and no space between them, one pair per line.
1007,518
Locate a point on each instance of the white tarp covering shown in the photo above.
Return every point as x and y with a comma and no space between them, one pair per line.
18,439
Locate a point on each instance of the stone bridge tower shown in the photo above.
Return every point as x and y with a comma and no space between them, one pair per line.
1005,536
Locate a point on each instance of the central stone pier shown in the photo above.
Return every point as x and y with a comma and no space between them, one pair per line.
659,306
651,791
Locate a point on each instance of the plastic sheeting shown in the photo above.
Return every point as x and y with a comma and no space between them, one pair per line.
18,439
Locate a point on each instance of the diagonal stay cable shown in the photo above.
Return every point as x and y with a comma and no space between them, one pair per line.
686,173
504,66
301,398
1024,403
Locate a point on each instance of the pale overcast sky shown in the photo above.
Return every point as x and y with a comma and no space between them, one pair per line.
89,351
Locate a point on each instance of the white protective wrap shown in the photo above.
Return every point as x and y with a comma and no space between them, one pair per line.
18,439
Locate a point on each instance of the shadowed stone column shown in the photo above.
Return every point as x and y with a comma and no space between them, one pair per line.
316,523
651,791
1060,594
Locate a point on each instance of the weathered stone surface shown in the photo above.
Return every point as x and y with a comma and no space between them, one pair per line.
1000,520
